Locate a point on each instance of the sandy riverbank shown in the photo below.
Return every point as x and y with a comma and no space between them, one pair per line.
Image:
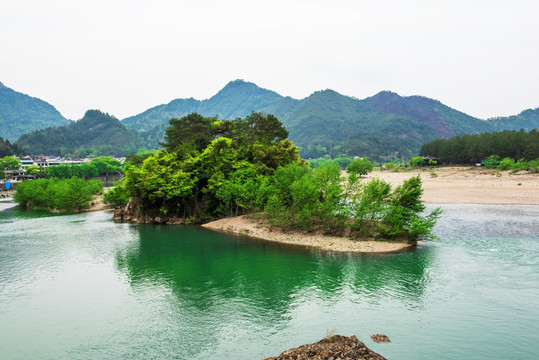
460,185
245,225
97,204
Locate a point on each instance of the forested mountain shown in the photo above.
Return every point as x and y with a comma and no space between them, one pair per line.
96,133
20,113
527,120
382,126
237,99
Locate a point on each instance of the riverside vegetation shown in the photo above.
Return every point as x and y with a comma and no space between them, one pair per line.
63,188
58,195
210,169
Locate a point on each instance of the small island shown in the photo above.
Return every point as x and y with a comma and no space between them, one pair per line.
220,170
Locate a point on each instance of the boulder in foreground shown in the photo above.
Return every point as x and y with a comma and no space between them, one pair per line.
335,347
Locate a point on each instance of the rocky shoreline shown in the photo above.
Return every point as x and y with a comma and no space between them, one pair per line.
130,213
334,347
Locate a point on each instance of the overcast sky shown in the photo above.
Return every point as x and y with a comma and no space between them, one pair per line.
123,57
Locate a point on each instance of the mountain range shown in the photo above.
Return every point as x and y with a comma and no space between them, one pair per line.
326,122
383,126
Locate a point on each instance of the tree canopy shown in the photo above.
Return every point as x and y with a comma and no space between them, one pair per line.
206,162
360,166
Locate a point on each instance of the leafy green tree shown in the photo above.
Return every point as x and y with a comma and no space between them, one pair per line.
117,196
360,167
416,161
258,128
62,171
37,172
403,216
57,194
10,163
8,149
191,132
106,165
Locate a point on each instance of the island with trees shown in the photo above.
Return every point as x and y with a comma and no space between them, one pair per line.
211,169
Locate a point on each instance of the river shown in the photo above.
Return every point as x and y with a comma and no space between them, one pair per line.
82,287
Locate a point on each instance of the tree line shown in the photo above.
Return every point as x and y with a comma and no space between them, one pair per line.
470,149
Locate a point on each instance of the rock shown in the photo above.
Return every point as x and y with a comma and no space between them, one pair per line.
334,347
380,338
118,212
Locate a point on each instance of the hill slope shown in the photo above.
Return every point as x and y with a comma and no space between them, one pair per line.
379,127
20,113
96,132
527,120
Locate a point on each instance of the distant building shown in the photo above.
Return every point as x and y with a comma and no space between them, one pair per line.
427,160
27,161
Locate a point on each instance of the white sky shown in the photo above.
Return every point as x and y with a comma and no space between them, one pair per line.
125,56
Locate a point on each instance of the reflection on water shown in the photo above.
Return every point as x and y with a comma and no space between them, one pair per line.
80,286
203,268
221,280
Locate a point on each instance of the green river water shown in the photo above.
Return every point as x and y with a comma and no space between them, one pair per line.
82,287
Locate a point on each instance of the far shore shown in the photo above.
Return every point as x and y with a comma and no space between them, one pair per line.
466,185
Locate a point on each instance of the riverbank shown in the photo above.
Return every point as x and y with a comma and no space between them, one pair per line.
97,204
255,227
465,185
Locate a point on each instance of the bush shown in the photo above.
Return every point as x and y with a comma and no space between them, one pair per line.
316,199
506,164
117,196
416,161
57,194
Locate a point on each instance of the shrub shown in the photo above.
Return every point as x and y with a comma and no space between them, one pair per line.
117,196
316,199
506,164
57,194
416,161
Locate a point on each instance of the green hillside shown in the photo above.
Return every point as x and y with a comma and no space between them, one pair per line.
20,113
96,133
383,126
527,120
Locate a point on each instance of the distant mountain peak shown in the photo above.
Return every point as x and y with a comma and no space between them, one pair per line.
2,85
386,95
243,88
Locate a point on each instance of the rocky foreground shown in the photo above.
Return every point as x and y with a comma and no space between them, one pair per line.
335,347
